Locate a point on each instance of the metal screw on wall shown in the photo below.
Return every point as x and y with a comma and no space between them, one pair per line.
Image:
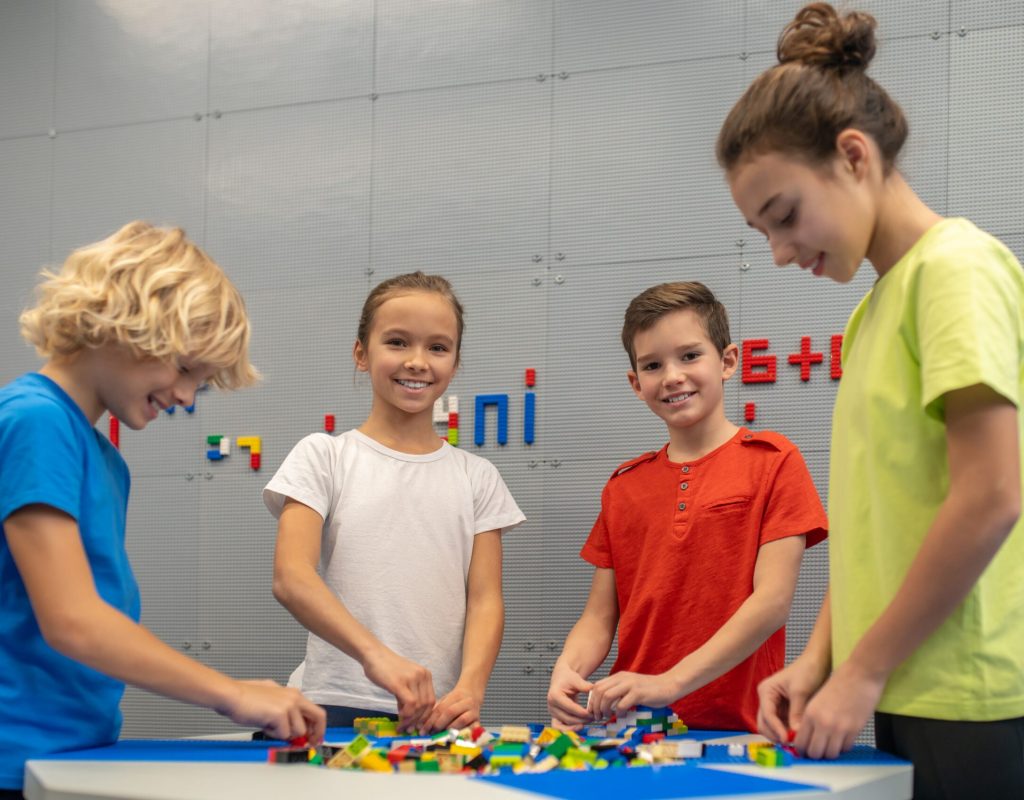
744,56
189,476
52,133
559,256
962,32
537,259
563,75
529,645
936,35
216,114
528,669
559,279
369,271
536,281
206,645
541,78
186,645
374,96
555,463
197,117
208,476
552,646
744,267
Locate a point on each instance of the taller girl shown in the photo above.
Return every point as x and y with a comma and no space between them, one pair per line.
408,613
924,619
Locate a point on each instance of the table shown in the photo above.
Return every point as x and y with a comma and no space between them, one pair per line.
216,769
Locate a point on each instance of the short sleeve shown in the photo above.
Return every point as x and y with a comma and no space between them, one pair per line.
793,507
597,549
968,311
42,458
306,475
494,508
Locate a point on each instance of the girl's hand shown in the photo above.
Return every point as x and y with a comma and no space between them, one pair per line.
410,683
783,698
458,709
282,713
623,690
838,712
565,685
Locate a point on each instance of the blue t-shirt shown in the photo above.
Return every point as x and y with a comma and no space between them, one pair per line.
50,454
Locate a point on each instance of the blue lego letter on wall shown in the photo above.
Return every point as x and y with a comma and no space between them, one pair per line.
482,401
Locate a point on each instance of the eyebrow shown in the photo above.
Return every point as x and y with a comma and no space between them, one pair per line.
689,346
443,337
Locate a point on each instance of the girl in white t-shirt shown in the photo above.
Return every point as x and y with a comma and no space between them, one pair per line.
405,613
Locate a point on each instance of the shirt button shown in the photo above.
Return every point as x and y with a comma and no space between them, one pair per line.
686,469
682,506
684,486
748,436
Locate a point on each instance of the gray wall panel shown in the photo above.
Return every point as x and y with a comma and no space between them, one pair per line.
26,66
972,15
120,63
284,53
104,178
602,34
289,195
25,169
986,108
449,42
461,176
630,147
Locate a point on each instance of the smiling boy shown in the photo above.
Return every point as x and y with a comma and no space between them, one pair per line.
698,546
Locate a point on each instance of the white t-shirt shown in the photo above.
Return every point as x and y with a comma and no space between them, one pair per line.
396,546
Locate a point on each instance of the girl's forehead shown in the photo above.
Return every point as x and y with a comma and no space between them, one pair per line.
415,305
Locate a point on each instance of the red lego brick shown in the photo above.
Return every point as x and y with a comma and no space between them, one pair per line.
453,419
254,460
329,423
749,412
531,377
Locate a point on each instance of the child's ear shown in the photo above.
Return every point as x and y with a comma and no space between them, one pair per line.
359,356
854,150
730,361
634,382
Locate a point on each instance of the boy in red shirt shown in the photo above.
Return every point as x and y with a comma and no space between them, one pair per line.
697,548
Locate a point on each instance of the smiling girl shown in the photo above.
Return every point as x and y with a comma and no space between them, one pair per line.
407,613
923,623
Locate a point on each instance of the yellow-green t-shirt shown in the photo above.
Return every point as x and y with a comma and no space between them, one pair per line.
945,317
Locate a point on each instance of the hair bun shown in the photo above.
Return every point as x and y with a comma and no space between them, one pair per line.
818,36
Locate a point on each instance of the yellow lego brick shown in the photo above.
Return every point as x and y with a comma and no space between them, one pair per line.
374,762
254,443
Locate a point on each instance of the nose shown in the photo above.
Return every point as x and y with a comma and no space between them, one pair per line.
674,373
415,359
783,251
184,391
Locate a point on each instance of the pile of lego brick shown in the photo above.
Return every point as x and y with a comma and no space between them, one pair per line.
634,739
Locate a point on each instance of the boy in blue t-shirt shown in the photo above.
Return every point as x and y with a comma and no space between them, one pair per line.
130,325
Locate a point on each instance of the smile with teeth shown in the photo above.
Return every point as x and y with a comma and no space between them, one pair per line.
412,384
678,398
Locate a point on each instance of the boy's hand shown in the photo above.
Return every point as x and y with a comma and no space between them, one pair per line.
783,697
281,712
457,709
838,712
565,685
410,683
627,689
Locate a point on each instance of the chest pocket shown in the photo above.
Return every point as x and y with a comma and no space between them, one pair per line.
738,504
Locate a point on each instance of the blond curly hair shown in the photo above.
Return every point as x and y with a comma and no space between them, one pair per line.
150,290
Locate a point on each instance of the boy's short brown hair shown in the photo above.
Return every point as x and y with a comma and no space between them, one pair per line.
652,304
150,290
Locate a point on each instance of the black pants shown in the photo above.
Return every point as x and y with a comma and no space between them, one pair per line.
11,794
344,716
956,760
